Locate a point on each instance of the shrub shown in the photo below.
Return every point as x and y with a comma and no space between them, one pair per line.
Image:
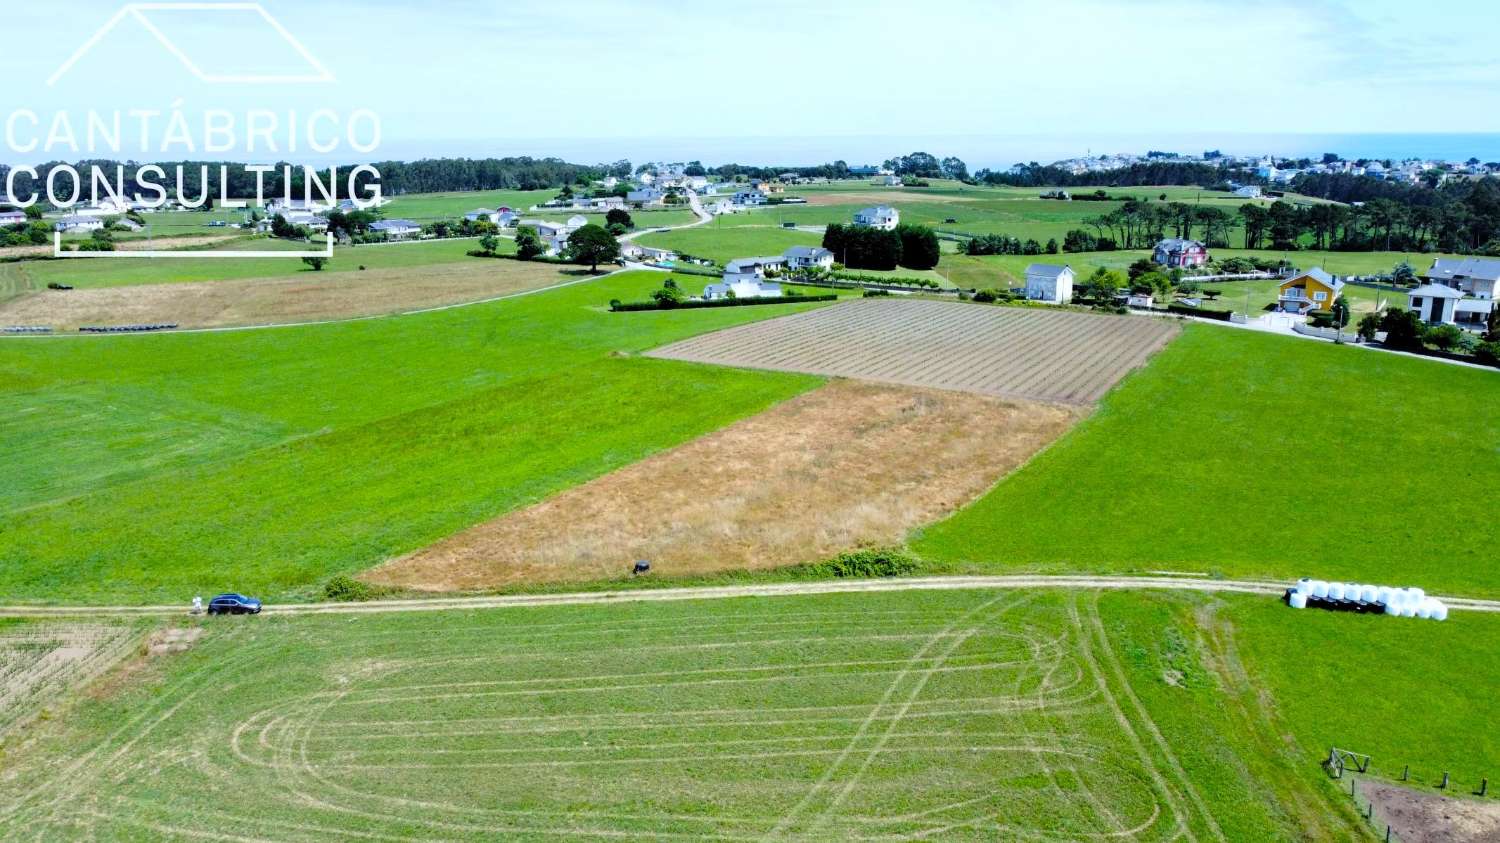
986,296
1488,353
1221,315
1444,337
349,590
870,562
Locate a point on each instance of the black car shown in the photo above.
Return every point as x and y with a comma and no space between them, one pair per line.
233,604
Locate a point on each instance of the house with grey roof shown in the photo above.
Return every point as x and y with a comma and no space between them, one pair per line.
1177,252
1476,281
883,217
8,218
808,257
79,223
1049,282
754,267
742,288
397,229
646,196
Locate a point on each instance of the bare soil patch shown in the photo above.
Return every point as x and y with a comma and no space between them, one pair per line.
1417,816
303,297
845,465
41,662
1041,354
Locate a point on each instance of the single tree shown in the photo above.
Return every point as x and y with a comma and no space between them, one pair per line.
315,263
619,216
1340,312
592,245
528,243
488,244
1369,325
1403,275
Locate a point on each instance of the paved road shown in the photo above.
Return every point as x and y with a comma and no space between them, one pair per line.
1024,581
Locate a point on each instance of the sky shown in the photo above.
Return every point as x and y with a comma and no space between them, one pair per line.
781,82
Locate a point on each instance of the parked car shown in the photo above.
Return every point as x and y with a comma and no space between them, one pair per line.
233,604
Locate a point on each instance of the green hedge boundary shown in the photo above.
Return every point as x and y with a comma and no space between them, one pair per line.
631,306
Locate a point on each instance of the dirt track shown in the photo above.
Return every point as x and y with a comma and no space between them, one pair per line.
651,595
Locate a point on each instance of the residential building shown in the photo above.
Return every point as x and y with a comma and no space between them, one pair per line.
749,198
747,287
1436,304
808,257
1477,282
723,206
77,223
305,219
880,216
397,229
484,214
103,208
1142,300
891,181
1049,282
645,196
1249,191
1177,252
741,268
282,205
8,218
1313,290
609,182
649,253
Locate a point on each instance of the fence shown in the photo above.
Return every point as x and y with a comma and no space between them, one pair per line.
1340,761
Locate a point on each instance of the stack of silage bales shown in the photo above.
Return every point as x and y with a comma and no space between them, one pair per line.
1363,597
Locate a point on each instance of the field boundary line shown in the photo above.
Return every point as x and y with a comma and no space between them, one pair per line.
782,589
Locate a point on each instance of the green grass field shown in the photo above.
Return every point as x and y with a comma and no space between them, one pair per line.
1258,455
952,715
154,467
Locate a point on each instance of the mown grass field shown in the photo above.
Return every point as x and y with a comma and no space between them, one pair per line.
1258,455
146,468
957,715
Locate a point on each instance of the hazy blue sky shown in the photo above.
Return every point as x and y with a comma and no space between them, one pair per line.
483,77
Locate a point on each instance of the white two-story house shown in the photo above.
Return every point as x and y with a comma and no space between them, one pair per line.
883,217
1459,291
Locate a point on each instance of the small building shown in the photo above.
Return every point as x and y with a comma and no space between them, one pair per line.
577,221
78,223
883,217
484,214
1178,252
609,182
397,229
749,198
750,287
723,206
651,253
1305,292
604,203
1141,300
9,218
1049,283
1249,191
754,267
891,181
808,257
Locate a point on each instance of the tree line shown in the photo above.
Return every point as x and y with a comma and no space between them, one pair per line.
858,247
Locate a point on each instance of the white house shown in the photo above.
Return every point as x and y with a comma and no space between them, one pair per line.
749,287
808,257
603,203
1477,282
723,206
79,223
645,196
609,182
891,181
1249,191
1049,282
749,198
484,214
397,229
650,253
753,267
880,216
12,218
105,207
695,182
282,206
645,178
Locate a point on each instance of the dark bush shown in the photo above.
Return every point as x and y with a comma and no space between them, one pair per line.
349,590
871,562
625,307
1488,353
1221,315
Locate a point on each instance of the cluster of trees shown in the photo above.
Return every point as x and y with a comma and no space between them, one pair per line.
33,232
835,170
1462,218
1135,175
1139,224
1405,330
924,165
1000,244
857,247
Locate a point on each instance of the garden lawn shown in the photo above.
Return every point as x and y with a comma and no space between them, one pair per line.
1256,455
145,468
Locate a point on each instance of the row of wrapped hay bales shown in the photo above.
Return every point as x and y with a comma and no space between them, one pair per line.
1363,597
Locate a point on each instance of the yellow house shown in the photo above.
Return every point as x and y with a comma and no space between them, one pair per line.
1313,290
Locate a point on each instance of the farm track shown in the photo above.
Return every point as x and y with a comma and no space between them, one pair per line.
1041,355
940,583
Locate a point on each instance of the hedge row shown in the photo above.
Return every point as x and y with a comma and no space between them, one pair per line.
627,306
1221,315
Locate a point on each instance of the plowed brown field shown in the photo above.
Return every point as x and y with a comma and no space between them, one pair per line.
1039,354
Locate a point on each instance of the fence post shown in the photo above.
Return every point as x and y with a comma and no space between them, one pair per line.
1405,770
1484,786
1387,834
1444,785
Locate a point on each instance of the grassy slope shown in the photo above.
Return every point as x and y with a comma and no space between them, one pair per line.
751,700
267,460
1210,460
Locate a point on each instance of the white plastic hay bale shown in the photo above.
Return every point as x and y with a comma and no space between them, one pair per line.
1368,593
1439,610
1417,594
1409,609
1298,600
1424,609
1383,595
1319,588
1335,591
1393,608
1303,586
